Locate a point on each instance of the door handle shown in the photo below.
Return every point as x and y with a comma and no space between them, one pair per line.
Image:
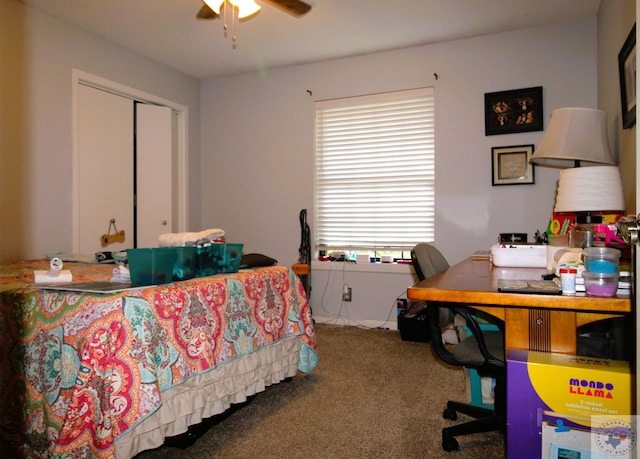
628,231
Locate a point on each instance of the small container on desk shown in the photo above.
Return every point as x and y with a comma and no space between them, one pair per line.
601,259
513,238
519,255
601,284
568,280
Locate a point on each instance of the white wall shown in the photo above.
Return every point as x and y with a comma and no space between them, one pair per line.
37,55
257,137
258,140
615,20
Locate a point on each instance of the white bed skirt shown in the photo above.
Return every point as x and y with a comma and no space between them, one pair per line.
211,393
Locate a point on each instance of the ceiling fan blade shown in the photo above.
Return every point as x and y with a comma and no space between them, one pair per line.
206,12
296,8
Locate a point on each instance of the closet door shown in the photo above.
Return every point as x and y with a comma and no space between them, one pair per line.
105,168
154,182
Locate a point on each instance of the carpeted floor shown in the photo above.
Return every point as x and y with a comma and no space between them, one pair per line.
371,396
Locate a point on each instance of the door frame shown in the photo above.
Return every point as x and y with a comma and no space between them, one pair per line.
637,248
80,77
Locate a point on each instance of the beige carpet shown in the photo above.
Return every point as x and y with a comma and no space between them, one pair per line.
371,396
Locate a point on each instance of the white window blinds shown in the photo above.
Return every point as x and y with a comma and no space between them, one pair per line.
375,174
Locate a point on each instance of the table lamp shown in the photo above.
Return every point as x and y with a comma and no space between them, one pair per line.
577,137
574,136
590,189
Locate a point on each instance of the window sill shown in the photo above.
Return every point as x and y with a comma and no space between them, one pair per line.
395,268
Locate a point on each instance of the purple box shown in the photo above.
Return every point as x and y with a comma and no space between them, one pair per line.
579,389
523,439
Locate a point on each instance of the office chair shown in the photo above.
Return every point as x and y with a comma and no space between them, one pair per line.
482,350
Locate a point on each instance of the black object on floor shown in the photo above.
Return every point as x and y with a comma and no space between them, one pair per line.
413,324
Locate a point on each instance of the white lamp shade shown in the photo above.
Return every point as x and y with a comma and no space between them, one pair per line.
574,134
586,189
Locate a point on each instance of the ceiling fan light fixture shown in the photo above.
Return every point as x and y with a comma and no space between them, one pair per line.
246,8
215,5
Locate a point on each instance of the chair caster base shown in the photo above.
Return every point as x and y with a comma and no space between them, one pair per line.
449,443
450,414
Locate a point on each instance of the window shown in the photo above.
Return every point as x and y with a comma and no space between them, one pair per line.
375,171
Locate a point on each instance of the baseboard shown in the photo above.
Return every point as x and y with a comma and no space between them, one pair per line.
346,321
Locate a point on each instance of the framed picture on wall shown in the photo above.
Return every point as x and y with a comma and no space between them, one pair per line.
627,70
517,110
510,165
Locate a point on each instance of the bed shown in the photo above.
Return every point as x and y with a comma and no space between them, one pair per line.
92,375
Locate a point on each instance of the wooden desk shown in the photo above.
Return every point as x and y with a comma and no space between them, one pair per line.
537,322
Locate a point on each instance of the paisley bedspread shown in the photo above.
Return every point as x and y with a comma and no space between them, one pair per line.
77,370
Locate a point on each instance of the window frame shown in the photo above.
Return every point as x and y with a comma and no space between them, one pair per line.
329,136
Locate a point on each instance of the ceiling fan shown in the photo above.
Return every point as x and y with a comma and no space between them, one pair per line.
296,8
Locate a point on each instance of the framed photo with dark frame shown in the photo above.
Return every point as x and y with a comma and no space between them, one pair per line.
517,110
627,69
510,165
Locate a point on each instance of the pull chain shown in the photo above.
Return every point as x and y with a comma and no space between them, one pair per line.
225,27
233,22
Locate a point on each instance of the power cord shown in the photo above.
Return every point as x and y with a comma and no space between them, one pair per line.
344,307
394,306
336,316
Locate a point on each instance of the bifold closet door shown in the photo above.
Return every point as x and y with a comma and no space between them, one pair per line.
125,162
105,168
154,182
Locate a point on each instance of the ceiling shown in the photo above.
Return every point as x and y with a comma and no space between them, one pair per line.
168,31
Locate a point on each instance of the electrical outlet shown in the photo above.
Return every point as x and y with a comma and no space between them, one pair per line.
346,293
